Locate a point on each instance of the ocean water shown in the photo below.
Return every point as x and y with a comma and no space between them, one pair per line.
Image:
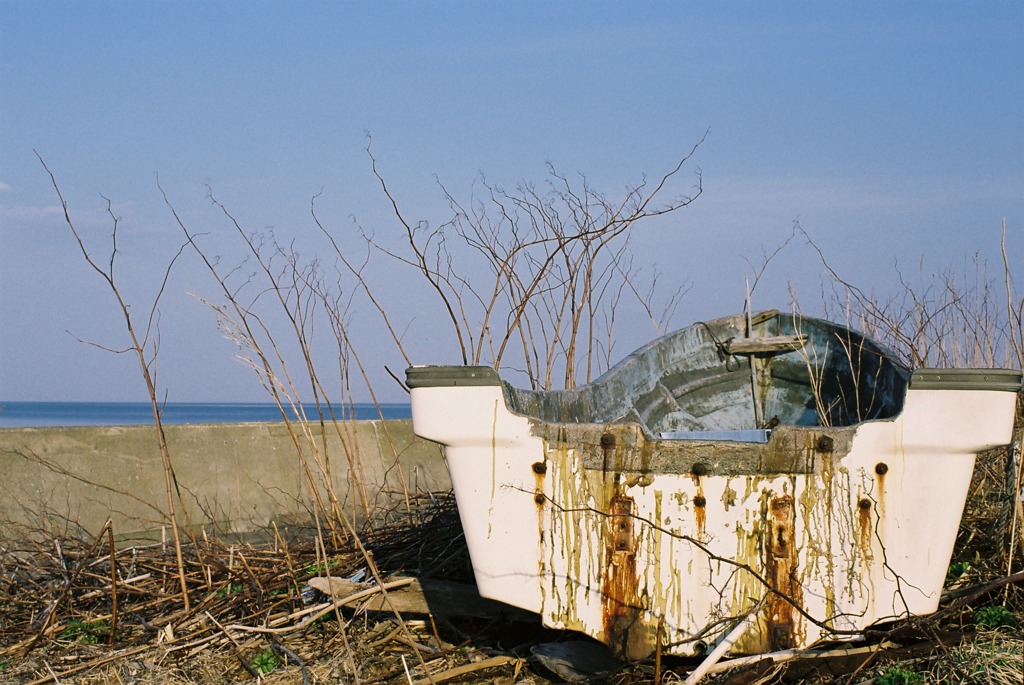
29,414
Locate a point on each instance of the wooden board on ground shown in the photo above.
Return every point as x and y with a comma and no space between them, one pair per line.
422,596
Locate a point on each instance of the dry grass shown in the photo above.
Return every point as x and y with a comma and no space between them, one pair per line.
993,657
63,620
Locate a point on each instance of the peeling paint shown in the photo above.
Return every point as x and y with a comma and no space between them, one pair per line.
728,496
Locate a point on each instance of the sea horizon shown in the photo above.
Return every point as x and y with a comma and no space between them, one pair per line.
29,414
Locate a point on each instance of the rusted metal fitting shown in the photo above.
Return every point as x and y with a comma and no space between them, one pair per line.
864,503
607,440
622,524
699,501
881,468
540,467
699,469
824,443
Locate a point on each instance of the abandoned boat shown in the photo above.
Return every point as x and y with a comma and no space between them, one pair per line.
776,468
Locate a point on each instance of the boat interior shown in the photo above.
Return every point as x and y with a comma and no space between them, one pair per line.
735,378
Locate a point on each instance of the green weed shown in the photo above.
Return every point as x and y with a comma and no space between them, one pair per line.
897,675
321,568
994,617
266,661
86,632
957,569
231,589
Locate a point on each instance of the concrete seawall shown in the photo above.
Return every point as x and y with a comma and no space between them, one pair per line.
238,478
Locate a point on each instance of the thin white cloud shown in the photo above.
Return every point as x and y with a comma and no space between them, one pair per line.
24,214
4,187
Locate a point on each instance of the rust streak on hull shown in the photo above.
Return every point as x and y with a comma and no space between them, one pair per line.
620,600
781,568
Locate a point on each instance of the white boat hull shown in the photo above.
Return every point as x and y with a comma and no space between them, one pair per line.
646,543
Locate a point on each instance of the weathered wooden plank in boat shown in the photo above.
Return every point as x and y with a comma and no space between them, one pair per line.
777,343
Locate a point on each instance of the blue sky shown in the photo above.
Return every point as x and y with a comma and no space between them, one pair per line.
893,132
